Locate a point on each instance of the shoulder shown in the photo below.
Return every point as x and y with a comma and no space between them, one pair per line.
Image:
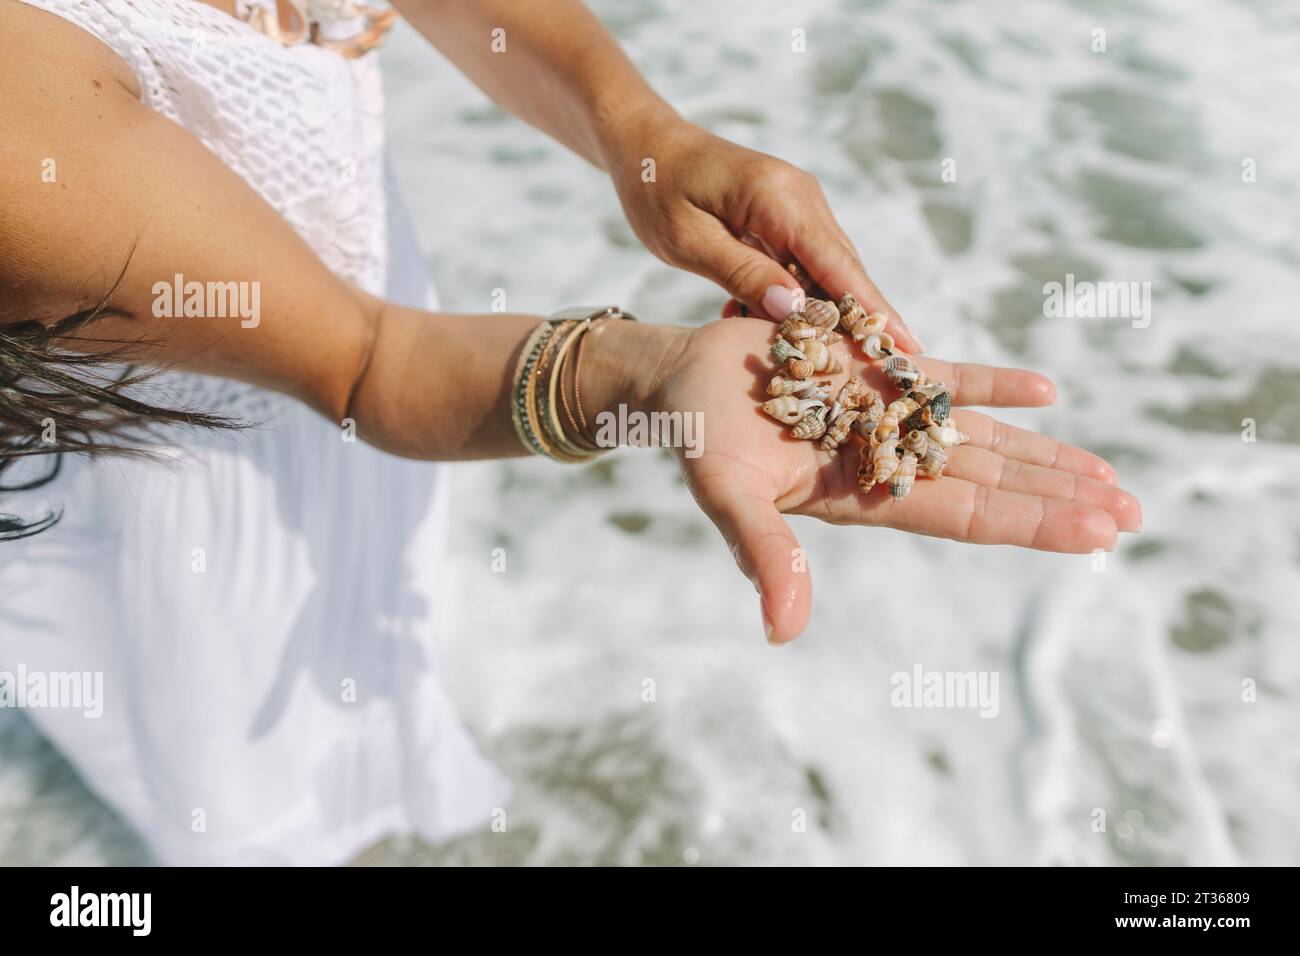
45,49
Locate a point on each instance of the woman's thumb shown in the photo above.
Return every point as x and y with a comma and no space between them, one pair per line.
768,553
750,276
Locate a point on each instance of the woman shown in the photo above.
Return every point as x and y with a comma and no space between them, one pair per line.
206,197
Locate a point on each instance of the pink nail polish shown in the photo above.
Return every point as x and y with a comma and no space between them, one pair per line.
778,301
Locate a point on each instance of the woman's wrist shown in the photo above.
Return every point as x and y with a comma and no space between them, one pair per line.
630,133
623,369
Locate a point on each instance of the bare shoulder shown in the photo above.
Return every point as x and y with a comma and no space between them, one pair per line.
44,53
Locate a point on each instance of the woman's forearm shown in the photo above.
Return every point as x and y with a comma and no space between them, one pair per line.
439,386
554,66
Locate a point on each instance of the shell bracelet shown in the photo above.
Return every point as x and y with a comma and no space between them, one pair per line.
910,436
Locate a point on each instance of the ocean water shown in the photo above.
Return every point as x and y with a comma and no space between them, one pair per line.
617,670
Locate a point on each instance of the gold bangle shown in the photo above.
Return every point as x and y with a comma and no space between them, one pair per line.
539,375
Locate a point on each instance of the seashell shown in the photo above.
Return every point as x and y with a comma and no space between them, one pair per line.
869,325
781,385
821,314
794,329
782,350
946,435
884,461
940,405
817,352
866,474
851,311
812,425
925,390
878,345
919,420
916,442
931,466
901,408
838,433
900,483
788,409
829,336
820,392
864,426
901,371
799,368
853,394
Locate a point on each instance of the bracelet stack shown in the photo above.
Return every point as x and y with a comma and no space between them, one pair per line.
546,402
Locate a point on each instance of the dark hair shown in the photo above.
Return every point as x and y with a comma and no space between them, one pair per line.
83,392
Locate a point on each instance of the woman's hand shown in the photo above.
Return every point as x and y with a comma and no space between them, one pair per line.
737,217
1006,486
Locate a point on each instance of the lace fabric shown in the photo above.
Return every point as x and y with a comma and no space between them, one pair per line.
301,125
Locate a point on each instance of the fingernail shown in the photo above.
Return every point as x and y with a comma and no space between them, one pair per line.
768,628
778,301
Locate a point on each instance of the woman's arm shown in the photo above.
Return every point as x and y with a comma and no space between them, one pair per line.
135,200
730,214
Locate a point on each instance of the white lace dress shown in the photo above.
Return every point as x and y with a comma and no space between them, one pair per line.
262,606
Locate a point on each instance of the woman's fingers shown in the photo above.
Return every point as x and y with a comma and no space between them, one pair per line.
972,384
766,552
965,511
750,275
984,467
1032,448
834,266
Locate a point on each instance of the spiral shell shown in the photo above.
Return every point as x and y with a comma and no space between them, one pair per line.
904,476
916,442
812,425
789,409
901,371
819,353
781,385
878,345
884,461
946,435
931,466
919,419
821,314
820,392
854,394
940,405
868,325
900,408
838,432
851,311
794,329
866,474
799,368
864,426
782,350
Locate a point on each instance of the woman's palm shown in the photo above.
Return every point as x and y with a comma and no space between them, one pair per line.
1006,486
